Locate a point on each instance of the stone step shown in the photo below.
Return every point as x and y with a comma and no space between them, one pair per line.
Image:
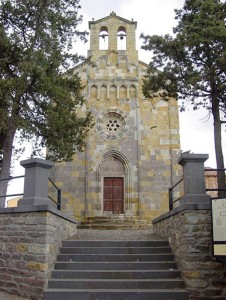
115,274
108,226
116,270
155,265
115,257
91,221
105,243
109,221
133,294
116,283
112,217
96,218
112,222
111,226
123,243
115,250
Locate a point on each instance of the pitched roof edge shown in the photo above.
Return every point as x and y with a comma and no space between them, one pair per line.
113,14
143,63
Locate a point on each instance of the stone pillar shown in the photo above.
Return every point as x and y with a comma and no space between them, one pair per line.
118,88
36,182
194,178
128,92
108,92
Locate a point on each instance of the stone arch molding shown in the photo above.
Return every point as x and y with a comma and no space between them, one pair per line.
127,179
131,90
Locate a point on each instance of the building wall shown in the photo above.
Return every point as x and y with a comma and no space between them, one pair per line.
13,202
188,229
30,239
141,135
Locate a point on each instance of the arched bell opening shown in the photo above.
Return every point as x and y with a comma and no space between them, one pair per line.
121,38
103,38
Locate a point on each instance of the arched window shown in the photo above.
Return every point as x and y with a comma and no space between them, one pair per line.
122,92
93,92
113,92
103,92
121,38
103,38
132,91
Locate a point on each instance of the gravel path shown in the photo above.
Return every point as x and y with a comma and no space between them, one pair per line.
126,235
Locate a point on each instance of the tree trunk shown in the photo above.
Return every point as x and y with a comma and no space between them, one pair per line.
6,162
218,149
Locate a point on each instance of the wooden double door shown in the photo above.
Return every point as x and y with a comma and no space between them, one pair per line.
113,194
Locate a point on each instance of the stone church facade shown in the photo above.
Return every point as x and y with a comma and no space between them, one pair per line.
130,159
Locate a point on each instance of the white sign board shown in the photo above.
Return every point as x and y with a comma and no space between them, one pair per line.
219,226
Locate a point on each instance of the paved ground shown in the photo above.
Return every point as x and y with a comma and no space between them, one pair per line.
89,234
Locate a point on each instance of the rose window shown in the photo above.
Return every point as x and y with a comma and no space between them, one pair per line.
112,125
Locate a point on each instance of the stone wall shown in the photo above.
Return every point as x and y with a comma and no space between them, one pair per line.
188,229
30,238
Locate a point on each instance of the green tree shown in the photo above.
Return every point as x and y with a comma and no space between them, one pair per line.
193,64
37,99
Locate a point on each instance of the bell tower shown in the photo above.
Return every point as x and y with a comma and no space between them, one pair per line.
113,34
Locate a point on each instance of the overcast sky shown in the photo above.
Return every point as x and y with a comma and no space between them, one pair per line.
153,17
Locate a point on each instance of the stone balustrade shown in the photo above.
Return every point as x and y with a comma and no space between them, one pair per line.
31,235
188,228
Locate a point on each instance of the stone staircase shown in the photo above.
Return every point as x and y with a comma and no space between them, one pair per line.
115,270
112,222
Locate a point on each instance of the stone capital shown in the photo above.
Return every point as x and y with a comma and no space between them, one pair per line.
197,158
37,162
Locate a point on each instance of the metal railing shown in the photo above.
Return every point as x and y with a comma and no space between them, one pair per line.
56,199
214,192
8,179
171,198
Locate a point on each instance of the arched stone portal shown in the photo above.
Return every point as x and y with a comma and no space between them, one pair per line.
114,170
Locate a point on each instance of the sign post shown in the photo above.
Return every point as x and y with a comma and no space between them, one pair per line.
218,211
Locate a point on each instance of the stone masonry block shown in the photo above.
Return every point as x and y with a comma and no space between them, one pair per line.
38,248
37,266
21,247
